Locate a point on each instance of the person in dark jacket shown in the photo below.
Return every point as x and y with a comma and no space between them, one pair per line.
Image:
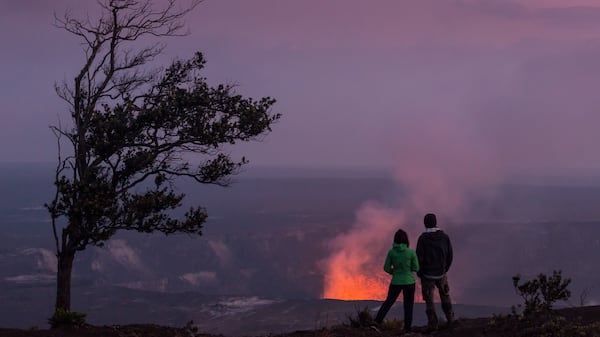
434,252
400,262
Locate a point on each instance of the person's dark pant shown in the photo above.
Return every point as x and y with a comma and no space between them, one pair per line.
408,291
428,287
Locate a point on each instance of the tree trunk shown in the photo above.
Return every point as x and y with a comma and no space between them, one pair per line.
63,280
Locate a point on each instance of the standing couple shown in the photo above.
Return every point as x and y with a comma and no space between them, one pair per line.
431,261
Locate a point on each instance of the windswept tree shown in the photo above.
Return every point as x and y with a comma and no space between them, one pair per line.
134,129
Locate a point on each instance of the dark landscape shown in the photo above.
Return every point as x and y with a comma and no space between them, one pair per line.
149,279
463,327
236,168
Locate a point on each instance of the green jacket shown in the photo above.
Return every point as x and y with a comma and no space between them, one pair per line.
401,262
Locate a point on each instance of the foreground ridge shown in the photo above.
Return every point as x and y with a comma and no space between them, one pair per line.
462,327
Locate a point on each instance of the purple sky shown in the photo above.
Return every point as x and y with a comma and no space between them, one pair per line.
489,88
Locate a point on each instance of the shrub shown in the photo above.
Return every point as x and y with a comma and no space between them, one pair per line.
363,319
538,319
65,318
541,293
392,324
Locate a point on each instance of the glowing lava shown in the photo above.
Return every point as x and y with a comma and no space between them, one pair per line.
354,270
344,283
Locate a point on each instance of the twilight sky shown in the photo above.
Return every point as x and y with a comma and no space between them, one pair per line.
489,88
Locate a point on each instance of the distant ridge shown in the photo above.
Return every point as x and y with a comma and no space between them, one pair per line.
229,315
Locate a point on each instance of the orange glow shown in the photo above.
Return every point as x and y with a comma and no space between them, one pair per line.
350,277
356,287
360,287
354,270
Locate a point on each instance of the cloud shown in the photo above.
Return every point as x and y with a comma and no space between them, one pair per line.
147,285
592,302
573,16
122,253
352,24
45,259
96,265
342,65
539,113
582,14
199,278
32,279
237,305
221,250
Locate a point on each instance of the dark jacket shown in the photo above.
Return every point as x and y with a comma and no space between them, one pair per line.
434,252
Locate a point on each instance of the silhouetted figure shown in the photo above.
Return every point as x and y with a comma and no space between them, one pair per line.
434,251
400,262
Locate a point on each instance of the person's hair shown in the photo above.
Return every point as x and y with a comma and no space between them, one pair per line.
430,221
401,237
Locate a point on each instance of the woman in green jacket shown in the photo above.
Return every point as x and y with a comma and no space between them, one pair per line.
400,262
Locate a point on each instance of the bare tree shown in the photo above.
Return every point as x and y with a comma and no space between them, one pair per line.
133,130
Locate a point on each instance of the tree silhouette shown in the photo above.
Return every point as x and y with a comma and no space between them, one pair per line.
134,129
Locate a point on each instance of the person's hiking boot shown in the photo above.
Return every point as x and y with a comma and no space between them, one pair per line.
432,319
431,328
449,313
432,322
451,323
375,327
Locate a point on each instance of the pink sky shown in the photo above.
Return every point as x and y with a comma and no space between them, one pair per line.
511,85
448,95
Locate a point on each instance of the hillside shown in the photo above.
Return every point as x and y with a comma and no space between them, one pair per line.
464,327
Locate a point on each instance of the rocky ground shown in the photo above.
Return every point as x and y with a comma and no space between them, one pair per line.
462,328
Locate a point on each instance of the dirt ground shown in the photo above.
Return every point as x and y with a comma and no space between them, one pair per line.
462,328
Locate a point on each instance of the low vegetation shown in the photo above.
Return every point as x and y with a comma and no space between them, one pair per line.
364,319
536,317
65,318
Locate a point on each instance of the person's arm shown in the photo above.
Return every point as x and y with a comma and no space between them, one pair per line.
449,257
420,254
414,263
387,266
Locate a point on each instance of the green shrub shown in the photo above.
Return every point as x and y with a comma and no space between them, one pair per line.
537,318
541,293
392,324
363,319
65,318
